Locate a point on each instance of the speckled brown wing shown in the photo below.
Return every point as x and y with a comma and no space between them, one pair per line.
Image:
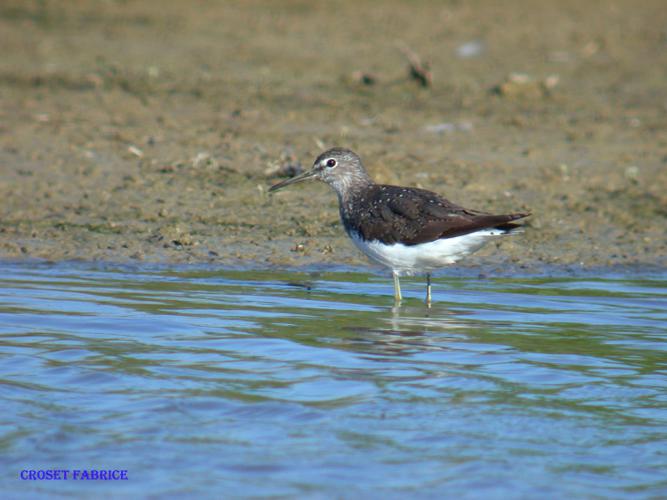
411,216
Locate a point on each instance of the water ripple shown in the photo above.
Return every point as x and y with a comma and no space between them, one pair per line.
258,383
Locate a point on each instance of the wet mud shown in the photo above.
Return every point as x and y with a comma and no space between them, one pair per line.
150,131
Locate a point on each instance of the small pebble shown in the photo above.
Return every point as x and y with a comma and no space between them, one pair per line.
470,49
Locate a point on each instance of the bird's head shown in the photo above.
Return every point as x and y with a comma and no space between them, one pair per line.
340,168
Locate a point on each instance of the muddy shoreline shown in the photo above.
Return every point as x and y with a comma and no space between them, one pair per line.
138,132
304,275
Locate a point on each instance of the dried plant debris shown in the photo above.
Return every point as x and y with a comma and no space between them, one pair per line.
419,70
363,78
286,166
523,85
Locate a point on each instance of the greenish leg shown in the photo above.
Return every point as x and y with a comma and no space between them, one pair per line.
428,289
397,287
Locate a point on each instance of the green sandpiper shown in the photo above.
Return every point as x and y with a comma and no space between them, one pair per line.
408,230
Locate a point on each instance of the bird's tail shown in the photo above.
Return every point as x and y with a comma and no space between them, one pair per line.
512,227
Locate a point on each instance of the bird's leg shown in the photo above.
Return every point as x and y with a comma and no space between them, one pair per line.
397,287
428,289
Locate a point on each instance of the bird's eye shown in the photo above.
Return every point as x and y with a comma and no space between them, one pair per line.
331,163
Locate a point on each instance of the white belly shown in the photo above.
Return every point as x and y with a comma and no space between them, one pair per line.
425,257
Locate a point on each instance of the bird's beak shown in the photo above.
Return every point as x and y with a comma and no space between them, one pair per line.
301,177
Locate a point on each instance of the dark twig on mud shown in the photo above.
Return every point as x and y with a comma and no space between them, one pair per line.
419,70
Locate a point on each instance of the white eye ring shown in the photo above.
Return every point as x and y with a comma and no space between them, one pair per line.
330,163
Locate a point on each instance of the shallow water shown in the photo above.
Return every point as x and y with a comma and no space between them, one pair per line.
262,383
